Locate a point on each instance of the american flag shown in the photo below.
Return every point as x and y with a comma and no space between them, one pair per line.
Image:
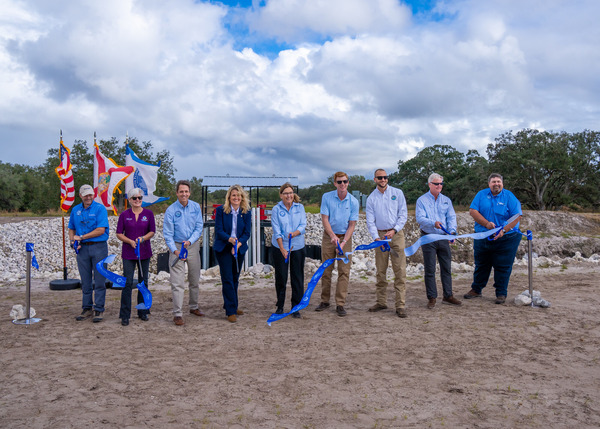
67,184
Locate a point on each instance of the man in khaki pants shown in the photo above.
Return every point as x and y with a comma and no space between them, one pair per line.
386,216
339,214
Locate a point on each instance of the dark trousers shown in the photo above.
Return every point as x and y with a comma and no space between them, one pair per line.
441,250
500,255
129,266
296,266
230,277
93,294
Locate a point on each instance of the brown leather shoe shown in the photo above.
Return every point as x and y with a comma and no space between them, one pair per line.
500,299
178,320
377,307
340,310
322,306
451,300
401,313
471,294
431,303
232,318
240,312
197,312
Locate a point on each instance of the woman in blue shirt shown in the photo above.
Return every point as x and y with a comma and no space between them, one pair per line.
288,218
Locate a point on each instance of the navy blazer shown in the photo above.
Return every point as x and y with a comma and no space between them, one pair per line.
223,225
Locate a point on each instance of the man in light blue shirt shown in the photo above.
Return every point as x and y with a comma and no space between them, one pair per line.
490,209
339,214
386,217
434,211
183,225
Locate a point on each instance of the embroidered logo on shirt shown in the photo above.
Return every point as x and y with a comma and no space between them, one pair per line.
144,219
393,197
177,214
282,214
78,212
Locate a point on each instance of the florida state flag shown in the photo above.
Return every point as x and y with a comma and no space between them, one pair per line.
107,178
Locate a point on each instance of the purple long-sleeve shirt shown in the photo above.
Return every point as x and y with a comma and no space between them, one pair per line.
133,229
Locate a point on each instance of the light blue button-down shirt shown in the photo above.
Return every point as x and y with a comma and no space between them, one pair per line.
386,210
430,210
340,212
182,224
285,222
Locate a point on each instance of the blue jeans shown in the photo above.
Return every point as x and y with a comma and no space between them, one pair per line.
441,249
230,277
129,267
500,255
87,258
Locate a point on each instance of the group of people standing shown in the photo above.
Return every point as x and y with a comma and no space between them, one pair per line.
386,214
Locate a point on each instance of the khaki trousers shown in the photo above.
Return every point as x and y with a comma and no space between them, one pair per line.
399,267
178,278
328,251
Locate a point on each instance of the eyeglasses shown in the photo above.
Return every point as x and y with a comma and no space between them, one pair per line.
287,194
437,184
382,177
339,182
136,198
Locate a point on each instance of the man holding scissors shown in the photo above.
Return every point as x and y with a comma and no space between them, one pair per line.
386,216
339,214
182,228
435,215
490,209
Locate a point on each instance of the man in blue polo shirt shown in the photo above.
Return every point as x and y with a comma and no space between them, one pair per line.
490,209
88,225
339,214
183,225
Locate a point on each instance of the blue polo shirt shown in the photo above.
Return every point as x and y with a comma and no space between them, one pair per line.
495,208
83,221
182,224
285,222
340,212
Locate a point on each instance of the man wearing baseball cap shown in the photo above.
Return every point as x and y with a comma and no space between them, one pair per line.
88,226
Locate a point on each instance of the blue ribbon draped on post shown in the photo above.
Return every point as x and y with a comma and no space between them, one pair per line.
34,262
385,247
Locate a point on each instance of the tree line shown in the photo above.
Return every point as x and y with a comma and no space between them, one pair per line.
545,170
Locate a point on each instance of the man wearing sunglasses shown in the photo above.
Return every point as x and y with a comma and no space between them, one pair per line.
386,216
88,226
434,211
339,214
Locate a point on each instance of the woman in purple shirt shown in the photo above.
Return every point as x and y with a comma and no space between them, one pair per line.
135,224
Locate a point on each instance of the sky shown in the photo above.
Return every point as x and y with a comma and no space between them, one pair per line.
293,87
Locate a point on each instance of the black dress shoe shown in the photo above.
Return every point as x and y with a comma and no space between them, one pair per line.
340,311
125,322
144,317
297,315
279,311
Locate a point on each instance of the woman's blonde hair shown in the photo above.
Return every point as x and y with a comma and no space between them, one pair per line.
244,204
289,185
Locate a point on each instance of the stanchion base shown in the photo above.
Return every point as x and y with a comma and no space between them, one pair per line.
29,321
67,284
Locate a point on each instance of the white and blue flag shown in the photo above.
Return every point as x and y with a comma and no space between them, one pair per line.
144,177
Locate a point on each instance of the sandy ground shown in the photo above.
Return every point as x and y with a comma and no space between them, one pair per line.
478,366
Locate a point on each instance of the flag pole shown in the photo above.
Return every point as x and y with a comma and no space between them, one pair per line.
65,283
126,143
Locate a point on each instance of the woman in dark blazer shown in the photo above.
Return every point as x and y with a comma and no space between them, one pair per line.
233,221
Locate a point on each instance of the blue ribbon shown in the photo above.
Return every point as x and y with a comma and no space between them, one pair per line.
146,295
76,247
34,262
319,273
118,281
430,238
287,258
447,232
183,253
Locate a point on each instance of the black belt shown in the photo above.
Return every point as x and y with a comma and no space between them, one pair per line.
89,243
